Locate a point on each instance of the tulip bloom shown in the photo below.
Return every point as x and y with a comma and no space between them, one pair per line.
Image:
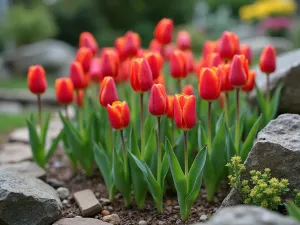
141,76
155,46
110,63
108,92
183,41
77,75
178,64
79,99
155,61
160,79
189,60
64,90
188,90
87,40
123,71
120,47
170,112
36,79
84,56
209,47
238,72
249,86
132,44
167,51
247,52
228,45
118,114
158,102
164,30
95,70
224,72
267,60
213,60
185,111
210,84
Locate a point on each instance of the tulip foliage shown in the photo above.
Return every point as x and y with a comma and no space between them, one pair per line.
186,136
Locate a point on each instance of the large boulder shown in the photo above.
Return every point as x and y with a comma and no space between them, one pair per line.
278,148
249,215
287,72
27,201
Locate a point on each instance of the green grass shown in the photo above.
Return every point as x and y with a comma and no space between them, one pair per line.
21,82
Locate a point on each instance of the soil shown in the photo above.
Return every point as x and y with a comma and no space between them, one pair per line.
60,169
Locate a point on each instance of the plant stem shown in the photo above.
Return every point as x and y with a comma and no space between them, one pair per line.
209,138
172,131
158,153
186,158
111,140
226,112
80,119
268,94
124,152
237,121
142,124
67,112
179,85
39,104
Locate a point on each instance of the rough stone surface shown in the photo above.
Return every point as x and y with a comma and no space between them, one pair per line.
287,72
63,192
27,201
87,202
26,168
249,215
80,221
14,152
10,107
113,219
19,135
278,148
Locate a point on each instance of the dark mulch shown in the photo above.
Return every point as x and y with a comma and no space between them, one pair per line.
60,169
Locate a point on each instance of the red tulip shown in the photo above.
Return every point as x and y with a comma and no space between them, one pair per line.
84,56
87,40
158,101
188,90
210,84
36,79
247,52
118,114
213,60
110,63
164,31
132,44
120,47
79,98
178,64
185,111
267,60
141,76
95,70
155,61
64,90
228,45
238,72
224,72
209,47
189,60
170,112
249,86
108,92
77,75
160,79
183,40
168,50
123,71
155,46
222,100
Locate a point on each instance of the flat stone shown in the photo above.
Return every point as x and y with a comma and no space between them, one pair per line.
27,201
249,215
10,107
14,152
113,219
80,221
19,135
26,168
87,202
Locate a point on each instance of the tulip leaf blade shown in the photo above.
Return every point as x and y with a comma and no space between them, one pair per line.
54,145
293,210
44,130
275,102
150,147
164,167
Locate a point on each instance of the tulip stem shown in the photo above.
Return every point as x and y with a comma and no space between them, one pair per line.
268,96
124,152
186,158
172,130
142,124
39,104
158,153
179,85
80,121
67,112
237,122
226,112
111,139
209,144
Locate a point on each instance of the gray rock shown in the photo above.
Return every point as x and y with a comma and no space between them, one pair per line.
80,221
14,152
143,222
113,219
63,192
287,72
19,135
10,107
26,168
27,201
278,148
203,218
87,203
55,183
249,215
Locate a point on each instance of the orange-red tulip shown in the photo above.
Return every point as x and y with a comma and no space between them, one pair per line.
210,84
84,56
209,47
120,47
267,60
178,64
189,60
249,86
123,71
110,63
170,112
164,31
238,72
108,92
79,99
155,46
87,40
132,43
168,50
77,75
155,61
183,41
118,114
141,76
245,50
87,80
158,101
188,90
224,73
64,90
228,45
95,70
185,111
36,79
160,79
213,60
222,100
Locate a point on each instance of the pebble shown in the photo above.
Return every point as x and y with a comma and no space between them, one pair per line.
104,201
65,202
63,192
110,208
87,202
113,218
178,221
161,222
169,208
78,216
203,218
143,222
55,183
97,194
176,207
169,202
105,213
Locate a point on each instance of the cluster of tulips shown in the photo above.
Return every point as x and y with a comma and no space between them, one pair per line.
142,162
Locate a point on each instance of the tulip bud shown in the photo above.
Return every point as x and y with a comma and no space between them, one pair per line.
108,92
170,112
210,84
64,90
36,79
77,75
188,90
213,60
110,63
158,101
132,44
79,98
178,64
95,70
164,31
84,56
160,79
185,111
228,45
123,71
120,47
183,40
155,46
189,60
87,40
141,76
118,114
224,73
238,72
209,47
168,50
249,86
247,52
155,61
267,60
